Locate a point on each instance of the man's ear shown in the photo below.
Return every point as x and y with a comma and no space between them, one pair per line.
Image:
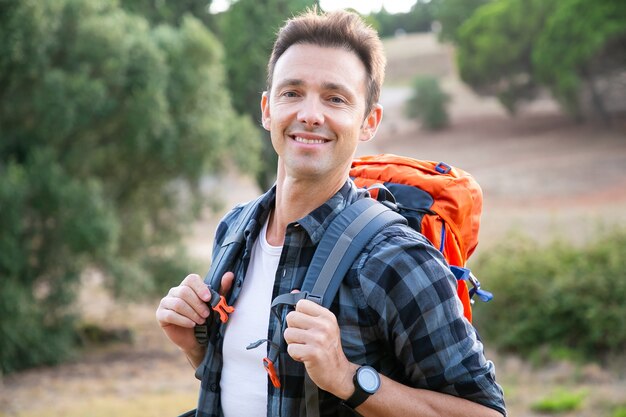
265,111
371,123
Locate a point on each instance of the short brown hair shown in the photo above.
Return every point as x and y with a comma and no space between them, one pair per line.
334,29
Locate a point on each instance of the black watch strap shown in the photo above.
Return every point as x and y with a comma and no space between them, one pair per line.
366,382
357,398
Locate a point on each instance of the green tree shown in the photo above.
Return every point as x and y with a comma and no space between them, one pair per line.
428,103
106,127
248,29
451,14
169,12
495,48
172,12
418,19
581,43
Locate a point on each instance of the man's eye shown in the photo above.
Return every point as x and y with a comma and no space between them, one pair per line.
289,94
337,100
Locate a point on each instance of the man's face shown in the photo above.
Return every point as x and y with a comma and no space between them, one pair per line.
315,111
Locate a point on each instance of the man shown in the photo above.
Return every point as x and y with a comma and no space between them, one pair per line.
396,310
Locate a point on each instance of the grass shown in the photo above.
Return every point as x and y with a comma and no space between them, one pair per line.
145,405
560,401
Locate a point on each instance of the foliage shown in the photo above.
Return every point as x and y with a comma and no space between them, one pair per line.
557,296
247,30
428,103
169,12
107,126
451,14
619,412
560,401
572,50
495,49
513,48
418,19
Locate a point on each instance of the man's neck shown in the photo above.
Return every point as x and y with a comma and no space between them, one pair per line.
294,200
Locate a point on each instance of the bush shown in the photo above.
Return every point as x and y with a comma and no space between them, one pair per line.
558,297
560,401
619,412
428,103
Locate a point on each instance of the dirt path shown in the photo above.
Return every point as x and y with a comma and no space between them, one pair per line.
540,172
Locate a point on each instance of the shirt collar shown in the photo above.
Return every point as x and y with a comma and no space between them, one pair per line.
316,222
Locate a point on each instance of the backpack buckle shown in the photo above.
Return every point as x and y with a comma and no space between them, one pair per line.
466,274
219,305
271,371
442,168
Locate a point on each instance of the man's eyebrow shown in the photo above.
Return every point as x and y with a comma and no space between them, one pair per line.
339,88
292,82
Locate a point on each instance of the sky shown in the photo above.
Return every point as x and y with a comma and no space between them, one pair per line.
361,6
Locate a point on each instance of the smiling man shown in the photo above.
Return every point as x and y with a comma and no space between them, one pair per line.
395,342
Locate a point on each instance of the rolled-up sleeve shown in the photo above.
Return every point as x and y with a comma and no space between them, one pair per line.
411,295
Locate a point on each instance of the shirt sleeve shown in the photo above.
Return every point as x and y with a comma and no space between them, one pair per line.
411,295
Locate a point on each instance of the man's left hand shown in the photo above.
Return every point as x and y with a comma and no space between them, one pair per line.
313,338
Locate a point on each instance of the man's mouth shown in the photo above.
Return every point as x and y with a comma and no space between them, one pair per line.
309,141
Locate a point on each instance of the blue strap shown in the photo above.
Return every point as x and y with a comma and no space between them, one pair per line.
342,243
344,240
466,274
231,246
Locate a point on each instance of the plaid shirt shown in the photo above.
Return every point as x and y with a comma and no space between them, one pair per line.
397,309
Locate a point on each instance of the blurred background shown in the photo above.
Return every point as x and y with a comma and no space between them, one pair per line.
129,127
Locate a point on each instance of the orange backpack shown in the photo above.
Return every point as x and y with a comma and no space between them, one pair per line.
442,202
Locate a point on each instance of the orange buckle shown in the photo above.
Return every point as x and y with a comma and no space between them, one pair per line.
223,309
271,371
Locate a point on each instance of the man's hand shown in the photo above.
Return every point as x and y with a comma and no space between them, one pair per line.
185,306
313,338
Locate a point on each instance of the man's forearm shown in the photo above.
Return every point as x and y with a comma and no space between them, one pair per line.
195,356
399,400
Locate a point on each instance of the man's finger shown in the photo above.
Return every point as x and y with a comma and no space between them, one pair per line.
167,317
196,283
300,320
227,283
299,352
182,308
187,295
310,308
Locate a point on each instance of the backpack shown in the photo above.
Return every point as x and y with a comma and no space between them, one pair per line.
441,202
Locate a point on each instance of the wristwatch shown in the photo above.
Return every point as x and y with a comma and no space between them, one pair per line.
366,382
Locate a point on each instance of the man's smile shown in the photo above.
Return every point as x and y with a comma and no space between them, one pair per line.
308,139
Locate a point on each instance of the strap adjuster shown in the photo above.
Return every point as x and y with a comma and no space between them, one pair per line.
271,371
442,168
219,305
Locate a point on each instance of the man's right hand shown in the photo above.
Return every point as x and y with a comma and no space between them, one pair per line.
185,306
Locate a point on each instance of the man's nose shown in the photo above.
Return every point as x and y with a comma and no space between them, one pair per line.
311,112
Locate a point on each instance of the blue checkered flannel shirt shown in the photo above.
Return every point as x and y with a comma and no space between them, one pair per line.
397,309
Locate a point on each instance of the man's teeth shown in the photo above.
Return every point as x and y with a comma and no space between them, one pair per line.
308,141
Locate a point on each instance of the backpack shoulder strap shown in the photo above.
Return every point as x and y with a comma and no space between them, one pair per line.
341,244
231,246
223,261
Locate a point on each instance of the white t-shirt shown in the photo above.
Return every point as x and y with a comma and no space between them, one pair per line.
243,382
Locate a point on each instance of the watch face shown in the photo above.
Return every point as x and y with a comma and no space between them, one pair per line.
368,379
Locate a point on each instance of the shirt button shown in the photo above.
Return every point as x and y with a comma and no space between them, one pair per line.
213,387
239,282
